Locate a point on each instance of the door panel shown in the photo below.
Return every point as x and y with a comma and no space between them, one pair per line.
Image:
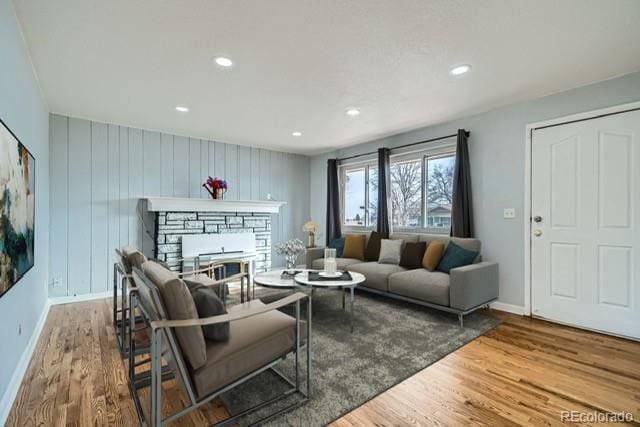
585,265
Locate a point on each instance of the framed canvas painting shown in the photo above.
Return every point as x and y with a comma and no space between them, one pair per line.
17,209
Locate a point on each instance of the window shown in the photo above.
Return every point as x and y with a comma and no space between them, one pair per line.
421,192
354,197
359,195
406,193
439,190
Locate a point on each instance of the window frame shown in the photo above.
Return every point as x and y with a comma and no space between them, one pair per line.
343,170
445,149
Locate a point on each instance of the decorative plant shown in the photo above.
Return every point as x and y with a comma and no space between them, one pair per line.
290,249
312,228
216,187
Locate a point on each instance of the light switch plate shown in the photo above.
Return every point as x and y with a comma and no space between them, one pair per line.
509,213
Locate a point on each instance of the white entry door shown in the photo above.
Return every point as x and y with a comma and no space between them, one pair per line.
585,207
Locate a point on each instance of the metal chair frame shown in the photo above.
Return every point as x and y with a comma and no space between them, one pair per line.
164,345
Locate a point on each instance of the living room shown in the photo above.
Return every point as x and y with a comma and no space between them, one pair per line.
327,213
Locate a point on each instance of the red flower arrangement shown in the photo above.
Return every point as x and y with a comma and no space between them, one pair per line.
216,187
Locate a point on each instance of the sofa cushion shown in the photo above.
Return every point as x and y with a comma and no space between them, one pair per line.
338,245
390,251
341,263
372,251
469,244
421,284
204,280
376,274
412,254
433,255
208,304
407,237
180,306
455,256
354,246
253,342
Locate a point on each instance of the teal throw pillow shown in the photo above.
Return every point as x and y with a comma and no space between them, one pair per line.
338,245
455,256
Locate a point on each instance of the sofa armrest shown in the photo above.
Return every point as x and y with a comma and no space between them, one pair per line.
313,254
473,285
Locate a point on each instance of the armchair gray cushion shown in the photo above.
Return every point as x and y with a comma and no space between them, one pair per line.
253,342
473,285
132,258
422,284
180,306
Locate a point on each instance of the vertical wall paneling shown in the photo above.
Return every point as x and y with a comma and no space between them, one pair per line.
99,205
181,166
204,167
100,171
113,194
231,171
58,202
219,160
152,178
265,173
166,165
255,174
194,167
79,209
136,184
123,202
244,173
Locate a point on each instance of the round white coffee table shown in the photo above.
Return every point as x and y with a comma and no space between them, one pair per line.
356,278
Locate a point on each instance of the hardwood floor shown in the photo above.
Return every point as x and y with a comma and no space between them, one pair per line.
524,372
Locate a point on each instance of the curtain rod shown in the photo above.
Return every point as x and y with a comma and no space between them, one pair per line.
403,146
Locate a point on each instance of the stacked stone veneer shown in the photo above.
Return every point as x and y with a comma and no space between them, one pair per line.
171,226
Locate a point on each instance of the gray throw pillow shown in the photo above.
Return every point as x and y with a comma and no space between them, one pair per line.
208,304
390,251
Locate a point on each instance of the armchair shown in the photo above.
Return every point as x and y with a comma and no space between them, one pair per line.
205,370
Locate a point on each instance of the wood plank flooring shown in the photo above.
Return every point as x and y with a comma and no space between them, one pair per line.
524,372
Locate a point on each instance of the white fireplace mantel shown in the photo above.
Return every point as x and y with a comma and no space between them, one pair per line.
178,204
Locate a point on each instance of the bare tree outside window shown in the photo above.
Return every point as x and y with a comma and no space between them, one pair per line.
406,194
439,191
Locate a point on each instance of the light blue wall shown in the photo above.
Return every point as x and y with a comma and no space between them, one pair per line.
99,171
497,150
22,109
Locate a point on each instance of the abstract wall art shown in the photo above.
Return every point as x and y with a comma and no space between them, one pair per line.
17,209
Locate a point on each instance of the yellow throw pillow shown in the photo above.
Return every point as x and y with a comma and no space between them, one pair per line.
433,255
354,246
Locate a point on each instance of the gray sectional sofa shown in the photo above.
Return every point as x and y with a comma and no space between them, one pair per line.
462,291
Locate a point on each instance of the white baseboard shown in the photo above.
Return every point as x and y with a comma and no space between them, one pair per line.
80,298
21,369
510,308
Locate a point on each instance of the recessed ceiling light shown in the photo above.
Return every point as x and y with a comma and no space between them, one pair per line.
460,69
223,61
353,112
296,133
182,109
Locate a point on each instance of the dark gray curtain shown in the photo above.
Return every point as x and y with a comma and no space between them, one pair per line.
384,193
462,208
333,201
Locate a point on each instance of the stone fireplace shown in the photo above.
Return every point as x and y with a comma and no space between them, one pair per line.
172,218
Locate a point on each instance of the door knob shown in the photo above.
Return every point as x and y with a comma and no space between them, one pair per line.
537,218
537,232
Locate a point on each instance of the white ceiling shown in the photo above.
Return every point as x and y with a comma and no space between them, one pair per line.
300,64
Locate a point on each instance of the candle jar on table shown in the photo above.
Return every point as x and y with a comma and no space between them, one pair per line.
330,264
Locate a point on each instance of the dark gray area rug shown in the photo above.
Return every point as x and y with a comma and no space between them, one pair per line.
391,341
